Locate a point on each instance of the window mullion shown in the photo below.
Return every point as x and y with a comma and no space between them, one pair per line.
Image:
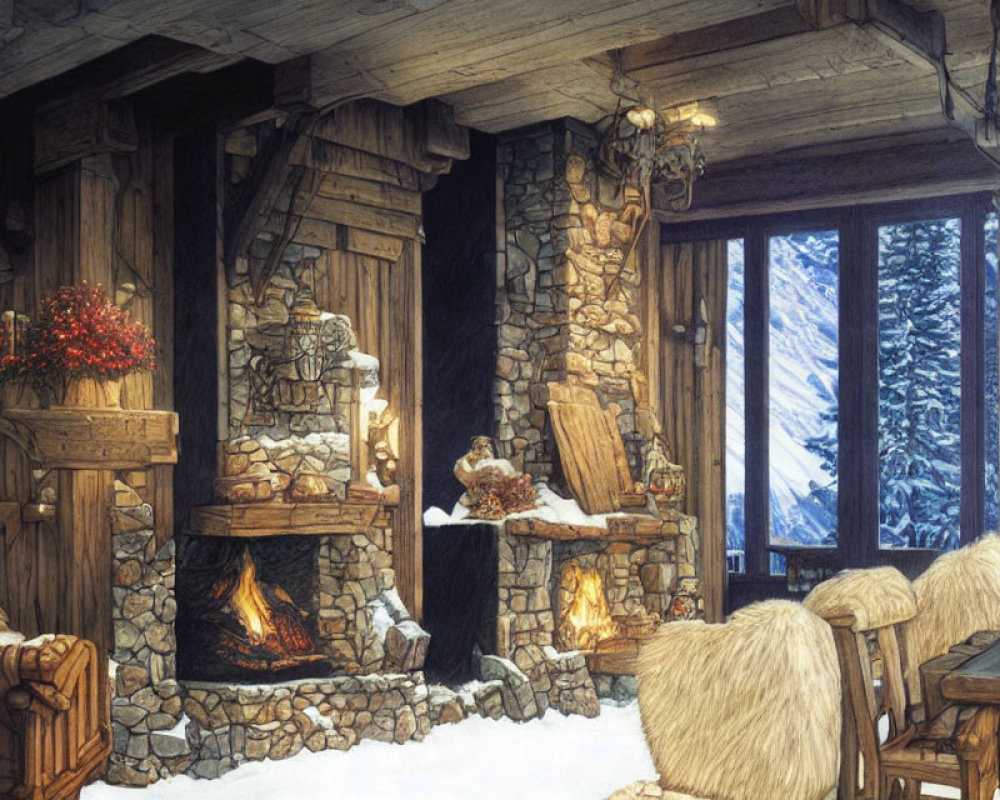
973,436
857,502
756,419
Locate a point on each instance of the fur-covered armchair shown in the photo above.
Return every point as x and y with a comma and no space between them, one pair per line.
958,595
54,728
745,710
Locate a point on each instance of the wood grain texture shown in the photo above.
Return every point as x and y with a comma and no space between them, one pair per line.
693,283
66,438
629,528
590,448
977,680
84,563
281,519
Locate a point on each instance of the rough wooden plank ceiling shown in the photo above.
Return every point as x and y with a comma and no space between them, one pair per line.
771,81
398,52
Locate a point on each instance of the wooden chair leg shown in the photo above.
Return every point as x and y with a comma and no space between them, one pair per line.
885,789
847,783
974,787
911,790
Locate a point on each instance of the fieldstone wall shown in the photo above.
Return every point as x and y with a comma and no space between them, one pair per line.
146,700
568,290
639,580
231,725
526,628
163,727
352,571
295,382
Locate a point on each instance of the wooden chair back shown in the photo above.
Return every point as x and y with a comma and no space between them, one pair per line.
867,610
867,696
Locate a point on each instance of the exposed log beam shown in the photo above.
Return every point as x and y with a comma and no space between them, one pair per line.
919,36
734,34
272,171
859,172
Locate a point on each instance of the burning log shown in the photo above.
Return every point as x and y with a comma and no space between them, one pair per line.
261,627
584,618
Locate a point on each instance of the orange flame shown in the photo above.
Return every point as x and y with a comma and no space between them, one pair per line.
251,608
586,621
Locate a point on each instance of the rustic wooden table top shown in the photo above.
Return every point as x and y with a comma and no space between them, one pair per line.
976,680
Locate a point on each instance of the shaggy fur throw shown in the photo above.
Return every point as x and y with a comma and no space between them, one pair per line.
647,790
747,710
958,595
874,597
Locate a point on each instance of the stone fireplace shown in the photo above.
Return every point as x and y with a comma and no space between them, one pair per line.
569,315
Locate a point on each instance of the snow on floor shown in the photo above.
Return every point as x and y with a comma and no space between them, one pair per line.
557,757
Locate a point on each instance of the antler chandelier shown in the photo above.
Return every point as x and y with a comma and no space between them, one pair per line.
642,146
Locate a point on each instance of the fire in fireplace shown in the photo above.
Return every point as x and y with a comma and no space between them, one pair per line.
584,618
247,610
261,628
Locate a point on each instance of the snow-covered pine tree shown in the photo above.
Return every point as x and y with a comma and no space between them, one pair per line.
919,384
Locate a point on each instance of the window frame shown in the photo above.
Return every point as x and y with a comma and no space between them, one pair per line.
858,381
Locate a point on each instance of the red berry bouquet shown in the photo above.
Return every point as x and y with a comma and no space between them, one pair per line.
80,333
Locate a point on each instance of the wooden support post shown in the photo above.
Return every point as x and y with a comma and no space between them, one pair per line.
84,554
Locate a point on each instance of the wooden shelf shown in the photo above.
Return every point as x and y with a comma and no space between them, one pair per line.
282,519
625,528
92,438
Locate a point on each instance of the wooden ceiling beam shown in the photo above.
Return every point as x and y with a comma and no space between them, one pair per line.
403,62
864,172
920,37
734,34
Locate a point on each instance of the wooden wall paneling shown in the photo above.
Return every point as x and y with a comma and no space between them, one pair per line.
407,357
650,264
29,590
677,363
693,283
57,212
162,296
97,221
711,275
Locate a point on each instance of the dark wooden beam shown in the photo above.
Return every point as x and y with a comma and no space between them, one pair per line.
247,213
731,35
831,177
921,35
973,380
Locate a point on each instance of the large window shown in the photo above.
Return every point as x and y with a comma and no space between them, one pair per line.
863,416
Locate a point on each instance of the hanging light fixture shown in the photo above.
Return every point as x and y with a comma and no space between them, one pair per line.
642,145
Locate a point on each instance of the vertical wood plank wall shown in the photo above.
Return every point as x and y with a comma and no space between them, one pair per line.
382,299
692,289
105,219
